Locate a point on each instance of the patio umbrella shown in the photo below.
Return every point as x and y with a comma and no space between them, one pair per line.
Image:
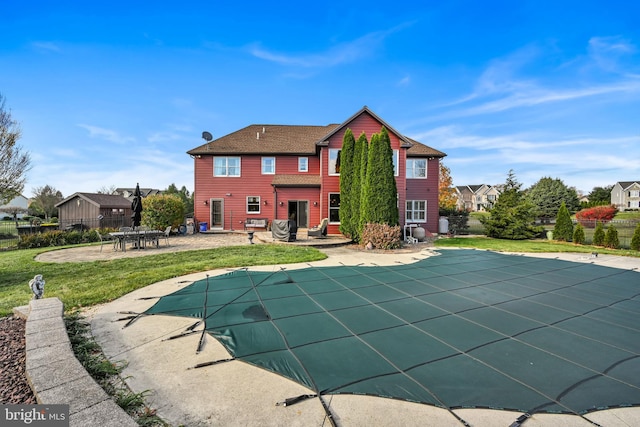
136,207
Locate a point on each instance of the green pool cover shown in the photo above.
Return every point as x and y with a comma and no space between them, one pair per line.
462,329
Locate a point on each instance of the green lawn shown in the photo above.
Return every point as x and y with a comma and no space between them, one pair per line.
538,245
85,284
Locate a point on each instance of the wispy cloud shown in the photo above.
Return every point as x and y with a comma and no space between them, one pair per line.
46,46
342,53
107,134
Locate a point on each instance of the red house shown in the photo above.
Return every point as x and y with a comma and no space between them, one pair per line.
276,171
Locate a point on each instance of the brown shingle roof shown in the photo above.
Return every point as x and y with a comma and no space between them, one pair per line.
295,140
296,181
102,200
267,139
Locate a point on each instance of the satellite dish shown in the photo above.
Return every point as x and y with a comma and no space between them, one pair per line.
207,136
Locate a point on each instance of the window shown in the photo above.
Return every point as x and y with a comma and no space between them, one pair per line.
334,162
396,155
253,204
303,164
416,211
226,166
268,165
634,193
334,207
416,168
491,197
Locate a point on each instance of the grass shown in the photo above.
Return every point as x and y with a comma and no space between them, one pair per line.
532,246
85,284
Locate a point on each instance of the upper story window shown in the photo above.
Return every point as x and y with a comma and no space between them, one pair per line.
303,164
396,157
226,166
334,161
417,168
268,165
634,193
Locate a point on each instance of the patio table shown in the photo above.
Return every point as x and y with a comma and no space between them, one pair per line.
138,237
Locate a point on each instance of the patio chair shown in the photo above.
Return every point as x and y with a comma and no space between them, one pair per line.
319,230
167,232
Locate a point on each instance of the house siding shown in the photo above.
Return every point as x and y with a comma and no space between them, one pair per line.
313,186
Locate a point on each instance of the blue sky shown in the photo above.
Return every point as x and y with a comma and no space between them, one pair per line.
115,93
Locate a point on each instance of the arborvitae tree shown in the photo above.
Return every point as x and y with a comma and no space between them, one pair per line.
379,202
598,234
563,230
512,217
364,159
356,187
611,238
348,223
635,240
578,235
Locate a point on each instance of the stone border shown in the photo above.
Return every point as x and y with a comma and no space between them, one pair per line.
57,377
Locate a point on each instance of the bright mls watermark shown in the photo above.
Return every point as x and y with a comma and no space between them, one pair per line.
35,415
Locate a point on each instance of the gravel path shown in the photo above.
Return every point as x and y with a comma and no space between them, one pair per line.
14,388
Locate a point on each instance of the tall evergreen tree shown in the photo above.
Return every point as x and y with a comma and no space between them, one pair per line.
548,194
364,160
379,202
512,217
348,223
356,187
563,230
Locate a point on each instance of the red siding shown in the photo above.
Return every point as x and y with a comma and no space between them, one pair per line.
252,183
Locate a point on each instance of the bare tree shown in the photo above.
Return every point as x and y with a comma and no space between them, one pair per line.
107,190
14,164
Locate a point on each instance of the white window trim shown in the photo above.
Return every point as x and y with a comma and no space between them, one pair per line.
330,209
412,168
247,205
306,164
227,166
396,162
262,164
412,210
337,150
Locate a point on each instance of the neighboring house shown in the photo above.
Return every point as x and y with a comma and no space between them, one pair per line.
625,195
20,202
477,198
282,171
94,210
128,192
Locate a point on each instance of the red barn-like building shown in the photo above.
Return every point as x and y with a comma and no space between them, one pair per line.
279,171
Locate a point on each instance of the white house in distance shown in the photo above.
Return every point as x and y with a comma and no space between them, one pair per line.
625,195
20,202
476,198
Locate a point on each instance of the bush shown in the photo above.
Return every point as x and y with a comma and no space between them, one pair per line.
56,238
382,236
611,240
162,211
563,230
578,235
588,217
598,235
635,240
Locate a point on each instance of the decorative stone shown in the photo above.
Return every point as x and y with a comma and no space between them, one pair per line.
37,286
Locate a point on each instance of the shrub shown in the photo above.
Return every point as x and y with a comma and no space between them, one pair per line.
563,230
578,235
382,236
588,217
598,234
611,238
635,240
162,210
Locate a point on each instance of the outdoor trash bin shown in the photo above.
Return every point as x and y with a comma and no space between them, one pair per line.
203,226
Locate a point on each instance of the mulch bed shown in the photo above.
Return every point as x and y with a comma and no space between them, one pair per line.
14,388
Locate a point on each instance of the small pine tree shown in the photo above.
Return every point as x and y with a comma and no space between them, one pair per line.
563,230
578,235
635,240
611,238
598,234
